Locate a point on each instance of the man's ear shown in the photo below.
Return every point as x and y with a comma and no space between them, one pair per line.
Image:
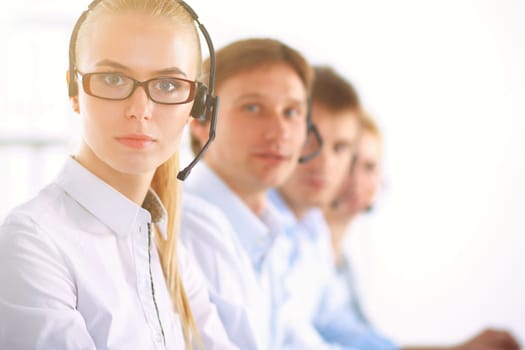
73,100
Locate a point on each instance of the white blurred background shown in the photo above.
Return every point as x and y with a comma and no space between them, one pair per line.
442,255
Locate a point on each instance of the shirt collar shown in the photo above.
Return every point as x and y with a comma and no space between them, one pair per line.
159,216
312,222
107,204
255,233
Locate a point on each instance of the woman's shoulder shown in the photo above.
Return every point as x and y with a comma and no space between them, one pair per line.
40,218
29,213
25,245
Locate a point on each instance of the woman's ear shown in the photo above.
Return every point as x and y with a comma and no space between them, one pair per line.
73,100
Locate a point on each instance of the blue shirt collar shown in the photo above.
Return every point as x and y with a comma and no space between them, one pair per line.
313,222
255,233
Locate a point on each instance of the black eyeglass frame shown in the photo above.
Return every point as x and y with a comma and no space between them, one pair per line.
86,78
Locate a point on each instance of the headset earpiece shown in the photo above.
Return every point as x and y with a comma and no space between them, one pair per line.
309,121
311,131
199,109
205,103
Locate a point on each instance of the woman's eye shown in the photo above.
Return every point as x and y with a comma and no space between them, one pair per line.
370,167
166,86
113,79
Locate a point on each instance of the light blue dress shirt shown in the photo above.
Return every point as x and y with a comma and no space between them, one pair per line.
341,319
234,248
317,292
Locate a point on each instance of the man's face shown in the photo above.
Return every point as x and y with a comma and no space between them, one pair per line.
316,182
261,128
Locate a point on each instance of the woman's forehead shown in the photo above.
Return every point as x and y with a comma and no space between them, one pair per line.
140,41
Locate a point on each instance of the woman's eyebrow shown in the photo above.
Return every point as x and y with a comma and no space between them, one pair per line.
110,63
170,70
164,71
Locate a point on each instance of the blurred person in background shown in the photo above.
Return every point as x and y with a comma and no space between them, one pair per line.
335,112
230,227
356,197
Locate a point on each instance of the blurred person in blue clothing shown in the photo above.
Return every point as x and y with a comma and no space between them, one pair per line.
317,289
357,196
230,228
335,112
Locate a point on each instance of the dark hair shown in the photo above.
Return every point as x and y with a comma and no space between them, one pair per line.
332,91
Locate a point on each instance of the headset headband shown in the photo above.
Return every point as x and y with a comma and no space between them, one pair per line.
205,104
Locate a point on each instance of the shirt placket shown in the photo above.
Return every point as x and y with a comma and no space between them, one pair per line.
147,284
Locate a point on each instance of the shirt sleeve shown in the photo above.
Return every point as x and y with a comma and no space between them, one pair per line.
304,336
339,322
205,239
37,292
211,329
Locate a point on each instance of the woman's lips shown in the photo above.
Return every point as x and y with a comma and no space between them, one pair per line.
137,141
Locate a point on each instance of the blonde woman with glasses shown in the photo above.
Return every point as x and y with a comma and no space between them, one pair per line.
93,261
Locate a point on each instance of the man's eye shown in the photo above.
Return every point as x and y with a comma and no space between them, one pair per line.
341,147
252,107
291,112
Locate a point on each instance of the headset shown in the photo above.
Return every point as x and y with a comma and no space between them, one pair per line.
311,129
205,103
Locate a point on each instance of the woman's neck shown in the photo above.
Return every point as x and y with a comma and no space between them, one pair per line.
132,186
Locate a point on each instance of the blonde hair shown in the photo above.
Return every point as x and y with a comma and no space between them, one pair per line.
247,54
368,124
164,182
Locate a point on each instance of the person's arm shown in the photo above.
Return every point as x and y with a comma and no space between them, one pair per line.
339,324
488,339
339,317
308,319
211,329
206,238
37,293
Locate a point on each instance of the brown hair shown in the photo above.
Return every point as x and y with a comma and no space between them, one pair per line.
164,182
247,54
332,91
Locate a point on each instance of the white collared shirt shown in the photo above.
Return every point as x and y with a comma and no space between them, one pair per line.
231,245
77,271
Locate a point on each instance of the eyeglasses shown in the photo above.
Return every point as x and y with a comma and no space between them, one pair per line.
116,86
